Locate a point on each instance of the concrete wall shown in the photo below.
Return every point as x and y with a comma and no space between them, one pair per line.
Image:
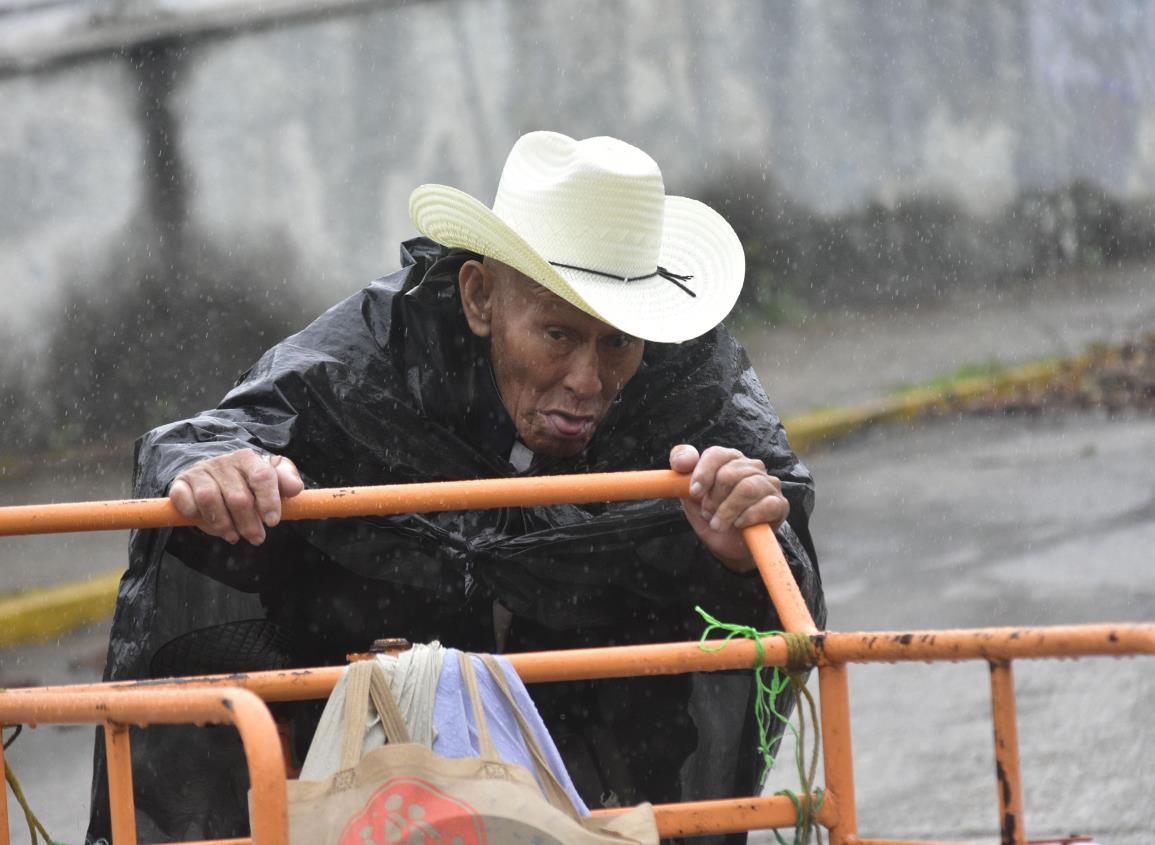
303,140
317,132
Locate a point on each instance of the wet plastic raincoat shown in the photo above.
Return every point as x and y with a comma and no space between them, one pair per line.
391,386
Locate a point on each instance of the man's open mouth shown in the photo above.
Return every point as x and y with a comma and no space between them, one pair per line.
569,426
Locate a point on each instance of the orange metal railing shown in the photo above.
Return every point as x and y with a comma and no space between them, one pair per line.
116,710
363,501
143,702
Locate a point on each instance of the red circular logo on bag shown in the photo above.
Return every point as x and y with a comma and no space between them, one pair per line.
411,810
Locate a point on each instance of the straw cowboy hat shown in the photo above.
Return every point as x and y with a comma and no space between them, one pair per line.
590,221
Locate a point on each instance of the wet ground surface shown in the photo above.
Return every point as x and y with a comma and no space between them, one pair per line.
966,522
975,522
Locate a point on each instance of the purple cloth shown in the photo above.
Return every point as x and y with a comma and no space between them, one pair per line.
456,734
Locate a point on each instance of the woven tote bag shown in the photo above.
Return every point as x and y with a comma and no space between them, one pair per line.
404,793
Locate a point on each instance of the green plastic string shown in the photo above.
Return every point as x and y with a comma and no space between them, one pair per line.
766,708
766,695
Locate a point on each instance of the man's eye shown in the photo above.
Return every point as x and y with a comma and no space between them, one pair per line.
555,334
620,341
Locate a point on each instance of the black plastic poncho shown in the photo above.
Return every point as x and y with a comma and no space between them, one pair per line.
390,386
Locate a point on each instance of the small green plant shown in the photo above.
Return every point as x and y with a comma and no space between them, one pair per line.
986,368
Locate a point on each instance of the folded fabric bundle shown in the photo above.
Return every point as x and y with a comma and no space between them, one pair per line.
413,678
485,770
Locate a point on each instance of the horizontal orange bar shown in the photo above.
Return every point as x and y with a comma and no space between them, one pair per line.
1062,840
533,667
679,658
93,704
987,643
854,840
728,815
426,497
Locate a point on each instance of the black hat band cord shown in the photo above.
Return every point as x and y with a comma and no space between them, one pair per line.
661,271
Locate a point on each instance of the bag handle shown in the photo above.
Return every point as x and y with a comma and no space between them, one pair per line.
484,740
381,694
554,791
551,787
365,682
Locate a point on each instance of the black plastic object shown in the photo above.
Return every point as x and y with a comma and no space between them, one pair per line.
250,645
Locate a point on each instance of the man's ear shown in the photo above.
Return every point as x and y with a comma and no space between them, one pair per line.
476,282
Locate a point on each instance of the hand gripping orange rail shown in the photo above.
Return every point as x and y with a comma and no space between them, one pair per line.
175,700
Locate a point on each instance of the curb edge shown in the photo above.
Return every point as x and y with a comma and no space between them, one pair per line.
44,613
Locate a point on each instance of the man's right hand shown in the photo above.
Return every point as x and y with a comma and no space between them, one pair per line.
236,495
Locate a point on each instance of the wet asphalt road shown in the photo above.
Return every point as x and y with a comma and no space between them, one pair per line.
956,523
993,522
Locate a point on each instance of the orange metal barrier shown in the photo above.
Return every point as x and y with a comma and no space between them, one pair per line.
364,501
117,709
830,653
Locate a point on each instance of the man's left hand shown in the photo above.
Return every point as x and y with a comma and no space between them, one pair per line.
728,492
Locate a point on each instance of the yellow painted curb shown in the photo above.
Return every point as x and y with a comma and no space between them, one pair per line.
48,612
809,430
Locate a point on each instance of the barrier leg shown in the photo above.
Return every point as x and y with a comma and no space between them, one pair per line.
1011,827
3,794
121,804
834,689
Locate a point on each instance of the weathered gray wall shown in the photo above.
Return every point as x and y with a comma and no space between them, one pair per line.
876,142
316,133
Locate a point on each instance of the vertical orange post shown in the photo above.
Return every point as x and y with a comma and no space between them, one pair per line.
3,792
121,805
1011,827
270,810
837,752
834,688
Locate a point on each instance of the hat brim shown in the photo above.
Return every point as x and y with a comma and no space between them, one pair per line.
696,242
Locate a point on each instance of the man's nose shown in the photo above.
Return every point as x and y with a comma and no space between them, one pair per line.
584,378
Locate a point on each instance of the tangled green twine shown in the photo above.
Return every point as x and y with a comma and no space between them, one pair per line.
766,708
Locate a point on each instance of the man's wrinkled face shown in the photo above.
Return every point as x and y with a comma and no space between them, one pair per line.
557,368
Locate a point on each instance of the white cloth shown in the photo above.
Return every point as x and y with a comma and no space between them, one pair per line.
413,678
520,456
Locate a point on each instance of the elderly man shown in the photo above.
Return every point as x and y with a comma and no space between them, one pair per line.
573,327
